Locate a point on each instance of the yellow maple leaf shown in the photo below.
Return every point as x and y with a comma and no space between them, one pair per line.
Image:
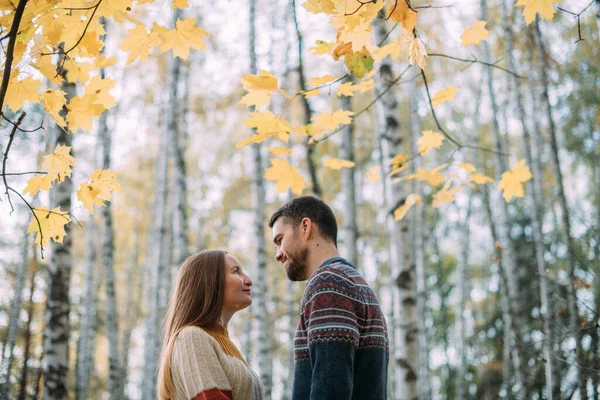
410,201
285,176
364,86
88,195
445,195
104,181
19,92
59,163
400,12
544,7
337,163
331,121
183,37
392,49
81,110
269,124
319,6
180,4
429,140
475,34
257,138
311,93
444,95
512,181
37,183
374,174
78,71
399,160
432,177
48,69
322,47
341,49
53,101
280,151
321,80
263,81
100,88
467,167
138,43
480,179
52,224
359,36
345,89
103,61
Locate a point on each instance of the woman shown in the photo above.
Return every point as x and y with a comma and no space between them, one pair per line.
198,360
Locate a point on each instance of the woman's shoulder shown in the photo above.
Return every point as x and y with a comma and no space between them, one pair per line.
194,334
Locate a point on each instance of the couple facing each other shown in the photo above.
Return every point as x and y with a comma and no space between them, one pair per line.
341,343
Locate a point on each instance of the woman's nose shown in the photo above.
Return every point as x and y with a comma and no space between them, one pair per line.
248,281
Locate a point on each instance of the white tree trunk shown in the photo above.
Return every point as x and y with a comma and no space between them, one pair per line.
108,249
13,322
463,288
535,205
265,359
154,270
418,251
405,353
503,228
27,330
57,329
565,215
349,225
135,284
87,331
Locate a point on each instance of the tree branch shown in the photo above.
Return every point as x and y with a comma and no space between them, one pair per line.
35,216
10,50
473,61
10,140
22,130
578,15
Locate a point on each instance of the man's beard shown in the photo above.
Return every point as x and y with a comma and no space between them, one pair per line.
295,267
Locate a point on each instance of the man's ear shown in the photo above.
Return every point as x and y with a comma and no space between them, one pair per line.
306,227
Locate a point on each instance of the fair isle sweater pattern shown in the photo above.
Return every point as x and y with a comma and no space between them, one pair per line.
339,307
206,365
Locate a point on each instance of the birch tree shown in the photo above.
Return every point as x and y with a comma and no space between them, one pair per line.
87,330
405,356
564,211
57,329
13,322
349,223
27,329
535,205
265,361
418,251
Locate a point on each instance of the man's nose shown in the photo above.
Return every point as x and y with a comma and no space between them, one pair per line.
278,255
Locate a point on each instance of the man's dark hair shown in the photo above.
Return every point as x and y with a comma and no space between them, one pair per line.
312,208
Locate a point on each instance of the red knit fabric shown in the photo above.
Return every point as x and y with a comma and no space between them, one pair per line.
214,394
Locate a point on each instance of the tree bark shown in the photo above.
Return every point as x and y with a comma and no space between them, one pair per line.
135,285
310,148
565,214
87,330
503,229
418,251
58,328
405,356
27,330
265,359
464,279
108,249
535,205
155,270
13,322
349,224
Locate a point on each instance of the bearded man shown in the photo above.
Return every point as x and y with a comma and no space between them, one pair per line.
341,345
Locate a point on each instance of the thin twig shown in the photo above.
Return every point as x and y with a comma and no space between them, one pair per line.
578,15
10,140
36,218
24,173
392,83
22,130
433,111
14,29
430,6
472,61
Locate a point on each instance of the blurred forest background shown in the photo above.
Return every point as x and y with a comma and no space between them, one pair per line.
484,298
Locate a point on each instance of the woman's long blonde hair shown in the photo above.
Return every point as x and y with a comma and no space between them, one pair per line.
196,300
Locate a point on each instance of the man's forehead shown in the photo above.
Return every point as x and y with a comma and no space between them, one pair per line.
280,225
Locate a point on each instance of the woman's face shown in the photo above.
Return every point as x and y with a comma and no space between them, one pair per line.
237,286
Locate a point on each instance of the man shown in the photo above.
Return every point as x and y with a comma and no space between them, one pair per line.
341,343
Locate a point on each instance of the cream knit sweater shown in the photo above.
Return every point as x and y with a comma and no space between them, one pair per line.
206,365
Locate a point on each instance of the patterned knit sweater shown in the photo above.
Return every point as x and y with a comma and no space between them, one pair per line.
341,344
206,365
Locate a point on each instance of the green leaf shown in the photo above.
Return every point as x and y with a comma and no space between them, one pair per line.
360,63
